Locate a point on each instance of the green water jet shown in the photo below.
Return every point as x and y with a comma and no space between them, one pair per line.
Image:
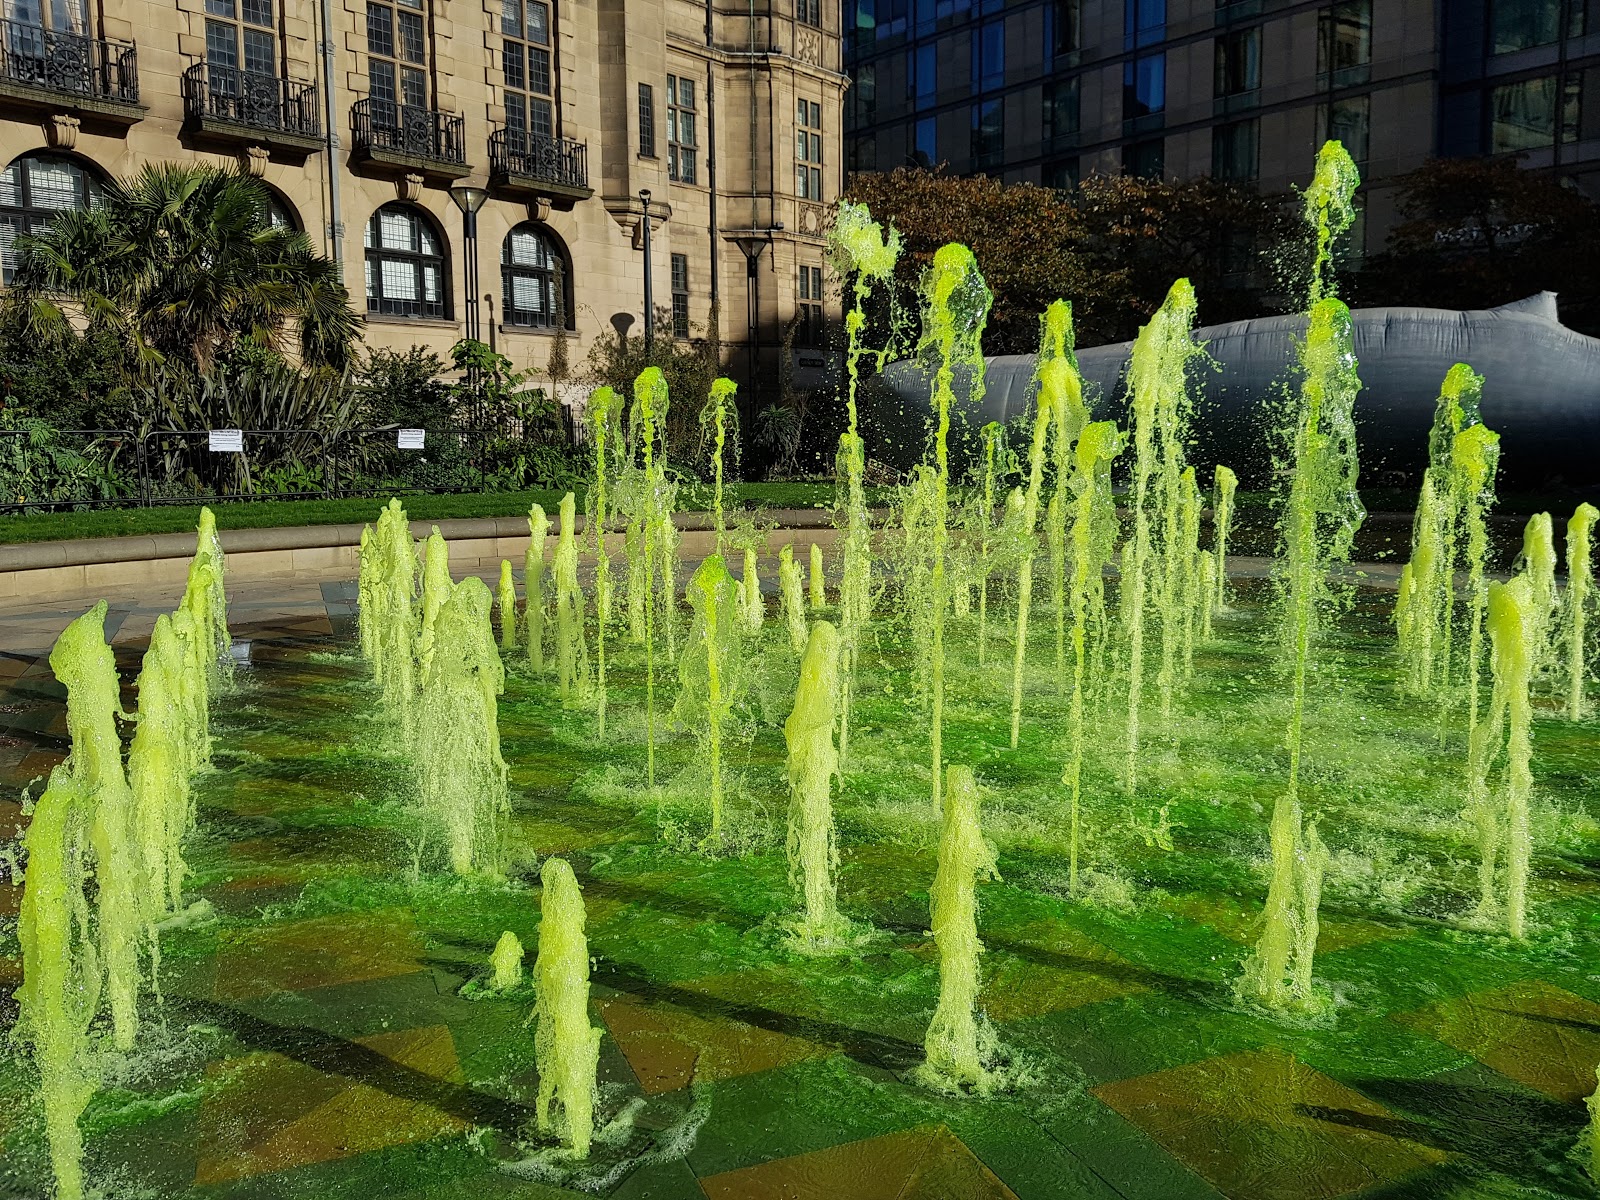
160,761
752,606
461,774
1225,484
707,666
817,585
436,588
1157,402
566,1046
812,848
656,545
1474,459
505,964
955,1046
1094,517
955,308
571,652
714,423
1580,585
388,605
1193,585
993,437
858,250
533,566
1538,562
1070,415
506,603
791,590
604,415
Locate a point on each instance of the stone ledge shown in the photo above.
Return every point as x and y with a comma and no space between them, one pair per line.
33,556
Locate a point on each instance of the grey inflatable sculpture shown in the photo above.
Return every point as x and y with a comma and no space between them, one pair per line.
1541,391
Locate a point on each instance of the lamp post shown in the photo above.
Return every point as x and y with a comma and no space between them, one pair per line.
753,244
649,300
469,199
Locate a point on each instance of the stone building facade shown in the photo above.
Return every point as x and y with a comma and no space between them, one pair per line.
360,116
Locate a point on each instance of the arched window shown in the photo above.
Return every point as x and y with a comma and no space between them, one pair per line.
533,274
280,215
33,190
405,264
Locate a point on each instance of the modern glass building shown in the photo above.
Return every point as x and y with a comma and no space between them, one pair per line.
1051,90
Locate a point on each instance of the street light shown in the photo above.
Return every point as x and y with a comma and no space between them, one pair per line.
469,199
649,301
753,244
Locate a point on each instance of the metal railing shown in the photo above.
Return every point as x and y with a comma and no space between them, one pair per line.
554,160
250,98
406,129
122,468
71,63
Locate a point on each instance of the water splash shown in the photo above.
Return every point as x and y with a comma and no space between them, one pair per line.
791,590
533,580
656,545
1474,459
1158,404
956,1049
1504,840
956,305
505,964
1070,414
436,586
817,585
1094,523
461,774
1330,210
566,1046
1580,585
161,759
1538,562
604,415
811,848
1192,584
752,606
706,692
995,454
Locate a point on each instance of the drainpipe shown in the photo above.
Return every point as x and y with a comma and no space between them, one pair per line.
330,137
711,170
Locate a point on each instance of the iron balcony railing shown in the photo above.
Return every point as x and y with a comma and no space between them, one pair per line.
71,63
382,125
260,101
553,160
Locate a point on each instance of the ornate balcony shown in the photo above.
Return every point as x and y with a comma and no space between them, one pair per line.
50,71
551,167
227,104
405,139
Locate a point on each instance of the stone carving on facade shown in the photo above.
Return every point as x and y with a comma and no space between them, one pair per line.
539,208
253,161
408,187
811,220
808,46
61,131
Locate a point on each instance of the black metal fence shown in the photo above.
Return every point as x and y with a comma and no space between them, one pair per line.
99,468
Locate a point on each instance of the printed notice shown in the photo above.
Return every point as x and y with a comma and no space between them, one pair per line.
411,439
227,441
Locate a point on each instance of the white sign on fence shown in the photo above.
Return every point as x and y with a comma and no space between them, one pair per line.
227,441
411,439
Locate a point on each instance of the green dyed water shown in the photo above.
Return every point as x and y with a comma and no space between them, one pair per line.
566,1046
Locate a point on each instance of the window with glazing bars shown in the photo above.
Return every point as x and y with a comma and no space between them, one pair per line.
525,48
681,141
808,12
397,58
809,332
239,37
808,150
680,295
404,264
647,120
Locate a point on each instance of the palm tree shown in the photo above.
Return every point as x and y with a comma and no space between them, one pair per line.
182,262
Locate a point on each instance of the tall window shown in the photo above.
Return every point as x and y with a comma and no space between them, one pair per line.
525,47
808,150
647,120
1521,24
988,133
405,265
926,142
240,37
531,279
921,75
1344,42
1061,110
681,140
1238,67
1146,160
808,12
1234,151
680,295
397,55
62,16
1062,28
862,100
1348,121
989,57
1531,113
32,191
1144,87
1144,22
810,331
